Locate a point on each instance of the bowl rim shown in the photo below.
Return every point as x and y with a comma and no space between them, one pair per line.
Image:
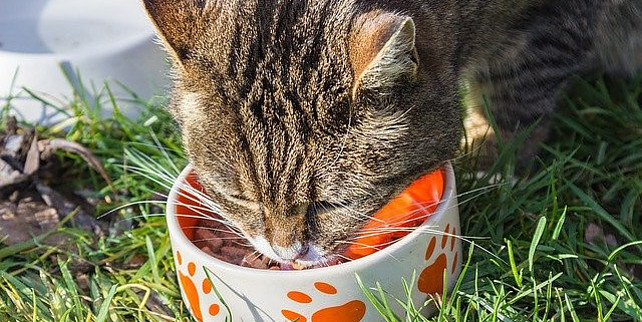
177,236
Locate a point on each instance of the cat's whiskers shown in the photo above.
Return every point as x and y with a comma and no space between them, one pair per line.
375,247
199,215
256,255
163,215
422,230
358,215
162,202
362,191
248,245
231,228
427,214
204,217
203,204
131,204
343,257
165,179
349,213
467,239
214,230
377,231
203,240
202,197
199,202
366,233
424,204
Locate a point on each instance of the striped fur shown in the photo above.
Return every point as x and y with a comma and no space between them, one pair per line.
303,117
556,41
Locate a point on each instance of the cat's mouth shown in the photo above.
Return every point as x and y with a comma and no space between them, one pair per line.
310,262
311,255
315,257
302,264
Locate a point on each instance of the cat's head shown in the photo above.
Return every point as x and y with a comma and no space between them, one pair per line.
303,118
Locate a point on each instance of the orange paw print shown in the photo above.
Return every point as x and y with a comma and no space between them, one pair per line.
352,311
191,291
431,279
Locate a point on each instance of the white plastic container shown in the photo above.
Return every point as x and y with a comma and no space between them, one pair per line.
100,40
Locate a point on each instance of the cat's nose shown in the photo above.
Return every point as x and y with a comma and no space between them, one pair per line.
296,251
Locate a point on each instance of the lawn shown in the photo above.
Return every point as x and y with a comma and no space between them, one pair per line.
563,243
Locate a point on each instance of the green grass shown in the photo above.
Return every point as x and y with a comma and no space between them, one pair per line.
538,266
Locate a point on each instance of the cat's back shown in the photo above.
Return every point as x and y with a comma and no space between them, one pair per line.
604,31
619,36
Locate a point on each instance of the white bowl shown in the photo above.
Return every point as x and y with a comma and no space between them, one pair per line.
100,40
329,292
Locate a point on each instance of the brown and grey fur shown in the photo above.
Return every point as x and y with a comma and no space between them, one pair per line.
303,117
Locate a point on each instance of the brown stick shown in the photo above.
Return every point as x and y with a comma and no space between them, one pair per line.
48,147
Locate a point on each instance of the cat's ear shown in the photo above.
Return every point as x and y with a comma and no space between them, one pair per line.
383,52
179,23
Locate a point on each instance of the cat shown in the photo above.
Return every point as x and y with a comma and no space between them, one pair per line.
303,117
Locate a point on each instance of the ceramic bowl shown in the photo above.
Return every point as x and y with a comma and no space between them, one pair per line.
214,290
46,44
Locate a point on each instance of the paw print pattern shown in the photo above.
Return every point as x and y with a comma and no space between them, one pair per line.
431,279
352,311
191,291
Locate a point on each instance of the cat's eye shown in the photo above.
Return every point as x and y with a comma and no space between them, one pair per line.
321,207
243,201
238,197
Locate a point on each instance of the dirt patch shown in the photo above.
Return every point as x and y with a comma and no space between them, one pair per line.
32,200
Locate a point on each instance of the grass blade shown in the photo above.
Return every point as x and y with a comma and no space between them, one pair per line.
104,308
539,231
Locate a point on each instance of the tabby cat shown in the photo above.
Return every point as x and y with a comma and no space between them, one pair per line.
303,117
